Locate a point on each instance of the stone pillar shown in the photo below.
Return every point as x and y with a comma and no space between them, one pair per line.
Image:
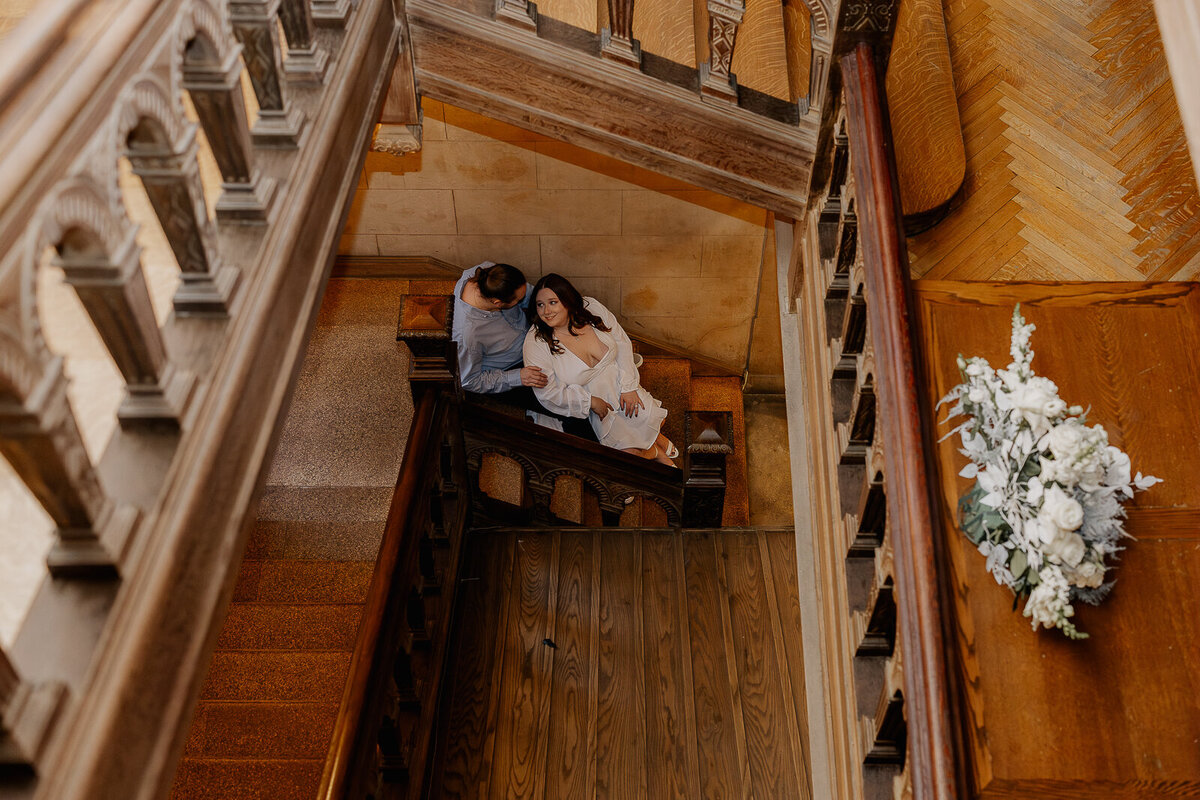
171,177
216,93
716,78
616,41
26,717
254,24
305,62
39,438
112,287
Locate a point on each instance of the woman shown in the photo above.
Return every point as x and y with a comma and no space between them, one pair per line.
588,361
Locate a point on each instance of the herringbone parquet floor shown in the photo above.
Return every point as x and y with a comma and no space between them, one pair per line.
1077,167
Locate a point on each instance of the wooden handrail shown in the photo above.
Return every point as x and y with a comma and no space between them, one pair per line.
347,744
908,442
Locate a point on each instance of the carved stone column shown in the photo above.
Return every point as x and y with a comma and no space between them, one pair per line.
113,290
27,715
616,41
171,177
305,62
331,13
216,93
708,448
39,438
521,13
716,78
278,124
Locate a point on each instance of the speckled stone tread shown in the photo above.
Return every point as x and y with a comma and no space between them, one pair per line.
247,779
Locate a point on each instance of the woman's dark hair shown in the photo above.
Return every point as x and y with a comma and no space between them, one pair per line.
499,281
571,300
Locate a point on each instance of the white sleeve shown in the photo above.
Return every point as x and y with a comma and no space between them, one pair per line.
567,399
629,378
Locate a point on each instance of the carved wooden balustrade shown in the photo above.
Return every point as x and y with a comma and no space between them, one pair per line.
96,690
889,706
383,735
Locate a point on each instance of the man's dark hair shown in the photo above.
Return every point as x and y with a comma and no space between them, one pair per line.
571,300
499,281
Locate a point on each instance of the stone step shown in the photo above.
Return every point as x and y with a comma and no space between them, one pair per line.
294,581
247,779
669,381
261,730
285,626
276,676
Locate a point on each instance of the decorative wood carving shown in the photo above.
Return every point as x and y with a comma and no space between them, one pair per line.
161,146
616,40
425,325
214,83
708,447
519,13
39,438
306,62
100,258
715,78
399,129
254,23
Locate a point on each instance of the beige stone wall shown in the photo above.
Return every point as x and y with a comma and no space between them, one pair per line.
676,263
12,12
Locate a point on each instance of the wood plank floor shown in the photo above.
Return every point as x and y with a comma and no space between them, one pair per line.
625,665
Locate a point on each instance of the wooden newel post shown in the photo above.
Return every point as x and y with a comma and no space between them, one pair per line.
425,325
908,457
707,450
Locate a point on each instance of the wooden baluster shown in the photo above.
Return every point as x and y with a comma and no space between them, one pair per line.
27,715
39,437
707,450
112,288
519,13
254,24
170,174
716,80
616,41
305,62
331,13
214,83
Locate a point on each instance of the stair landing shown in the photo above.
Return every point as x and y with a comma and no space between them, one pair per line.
625,664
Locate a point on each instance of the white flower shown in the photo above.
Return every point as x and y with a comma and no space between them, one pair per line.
1069,547
1088,575
1048,600
1065,440
1054,407
1061,509
1118,470
1033,495
1041,531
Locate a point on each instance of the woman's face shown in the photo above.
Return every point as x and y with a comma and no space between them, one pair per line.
549,309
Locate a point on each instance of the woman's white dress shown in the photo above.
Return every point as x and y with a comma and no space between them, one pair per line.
572,384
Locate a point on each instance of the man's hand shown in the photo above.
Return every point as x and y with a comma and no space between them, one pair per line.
533,376
630,403
600,406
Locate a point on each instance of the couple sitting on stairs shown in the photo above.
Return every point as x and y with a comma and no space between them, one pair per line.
562,356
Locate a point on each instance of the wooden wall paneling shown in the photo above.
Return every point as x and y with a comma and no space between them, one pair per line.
578,13
931,160
1123,349
797,35
666,29
760,60
1179,26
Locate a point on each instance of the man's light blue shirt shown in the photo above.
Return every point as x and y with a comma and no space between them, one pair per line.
489,342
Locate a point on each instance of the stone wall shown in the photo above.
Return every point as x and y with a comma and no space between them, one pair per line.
673,262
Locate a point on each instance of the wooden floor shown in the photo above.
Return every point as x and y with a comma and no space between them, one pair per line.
626,665
1077,167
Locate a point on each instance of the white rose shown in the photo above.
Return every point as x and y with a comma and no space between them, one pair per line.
1064,441
977,395
1054,407
1068,547
1039,530
1119,470
1061,509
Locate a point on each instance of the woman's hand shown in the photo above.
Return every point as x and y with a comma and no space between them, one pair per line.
600,406
631,402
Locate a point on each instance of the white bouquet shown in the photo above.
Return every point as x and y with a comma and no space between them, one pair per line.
1045,510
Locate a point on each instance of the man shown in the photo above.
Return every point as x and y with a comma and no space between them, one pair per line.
490,302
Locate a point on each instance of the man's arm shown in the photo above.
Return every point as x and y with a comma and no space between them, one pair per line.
475,378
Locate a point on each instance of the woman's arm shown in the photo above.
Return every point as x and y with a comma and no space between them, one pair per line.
629,378
570,400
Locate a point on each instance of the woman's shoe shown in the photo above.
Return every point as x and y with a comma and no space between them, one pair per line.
672,450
